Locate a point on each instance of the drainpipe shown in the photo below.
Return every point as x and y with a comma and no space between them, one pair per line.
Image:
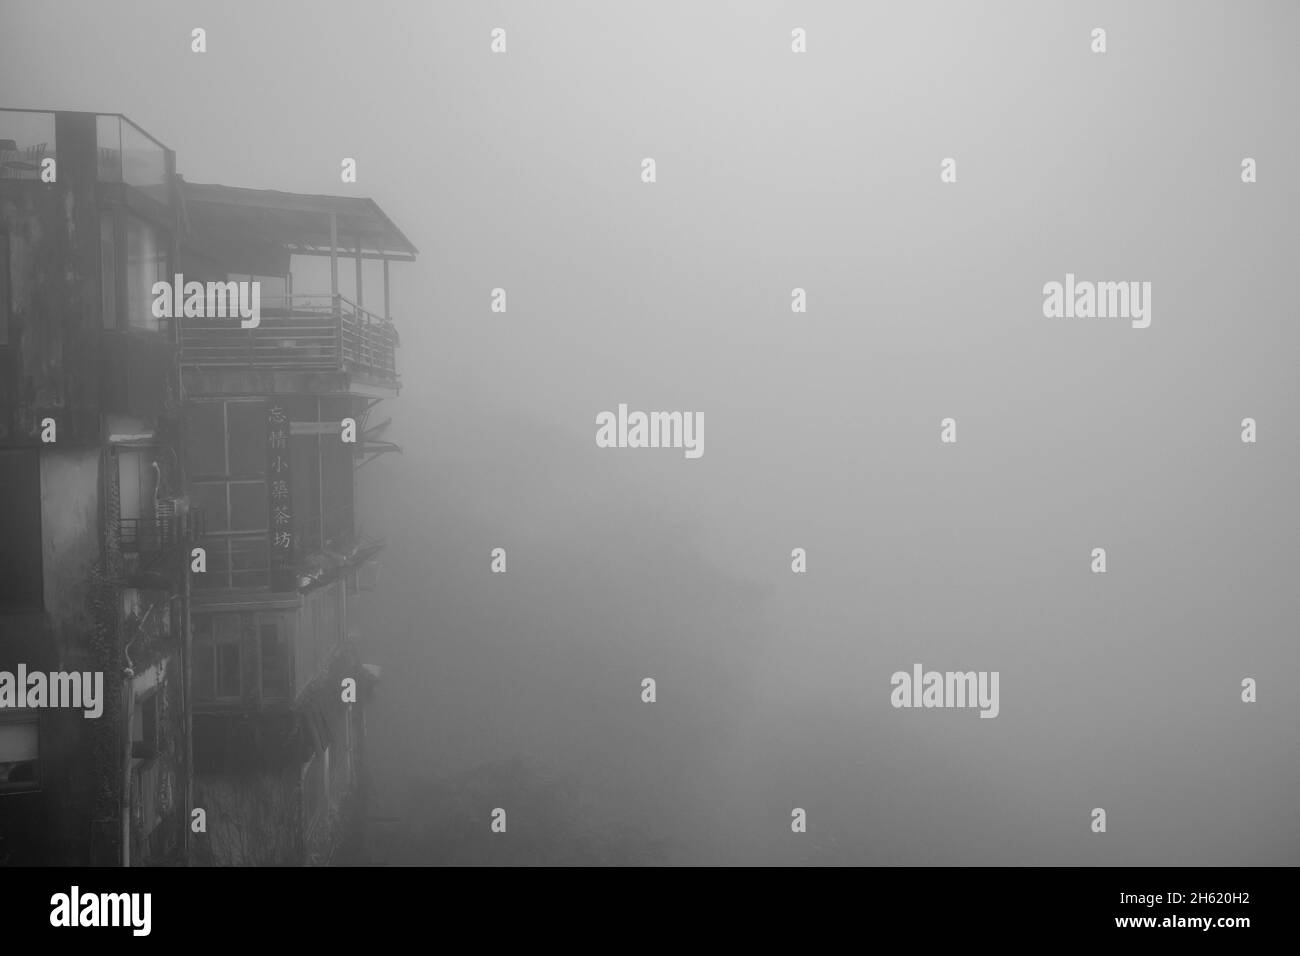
187,706
128,711
128,707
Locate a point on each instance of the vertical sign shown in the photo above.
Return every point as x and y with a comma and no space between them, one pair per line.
279,497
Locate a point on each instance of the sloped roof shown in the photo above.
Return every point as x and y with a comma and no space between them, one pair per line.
297,222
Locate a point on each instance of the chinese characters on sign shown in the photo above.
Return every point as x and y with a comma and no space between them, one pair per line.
281,502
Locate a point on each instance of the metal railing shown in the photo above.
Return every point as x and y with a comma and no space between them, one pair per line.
160,534
311,332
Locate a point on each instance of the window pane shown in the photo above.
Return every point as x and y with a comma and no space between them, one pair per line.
21,586
275,665
225,628
19,752
211,497
144,163
250,561
108,269
246,422
227,670
108,135
4,288
273,289
218,573
146,263
204,671
248,504
205,439
26,139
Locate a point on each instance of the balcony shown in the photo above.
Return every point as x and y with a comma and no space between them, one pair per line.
312,333
156,536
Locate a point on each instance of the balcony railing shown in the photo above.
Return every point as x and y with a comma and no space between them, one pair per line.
161,534
296,332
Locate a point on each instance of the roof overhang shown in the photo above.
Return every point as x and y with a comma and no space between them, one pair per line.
297,223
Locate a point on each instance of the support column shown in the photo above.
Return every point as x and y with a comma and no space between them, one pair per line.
334,254
387,314
361,299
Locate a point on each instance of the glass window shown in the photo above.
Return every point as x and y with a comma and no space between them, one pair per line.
246,431
217,657
21,552
228,670
26,140
108,269
211,497
205,687
137,484
248,506
250,562
20,748
273,289
205,439
108,137
4,288
144,728
146,263
275,658
144,162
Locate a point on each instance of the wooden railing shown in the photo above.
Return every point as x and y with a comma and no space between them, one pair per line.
302,332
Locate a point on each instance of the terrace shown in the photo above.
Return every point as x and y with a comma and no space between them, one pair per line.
124,153
340,342
310,332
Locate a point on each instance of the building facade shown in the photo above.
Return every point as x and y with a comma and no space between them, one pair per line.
178,509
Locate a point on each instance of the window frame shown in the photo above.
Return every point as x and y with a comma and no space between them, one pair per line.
206,642
25,715
35,602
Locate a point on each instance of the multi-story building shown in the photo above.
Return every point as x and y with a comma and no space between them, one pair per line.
94,520
277,419
178,506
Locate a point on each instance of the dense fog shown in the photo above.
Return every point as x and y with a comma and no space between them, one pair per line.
522,171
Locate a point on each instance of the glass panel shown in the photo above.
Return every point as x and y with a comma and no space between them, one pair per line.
205,687
21,551
211,497
248,506
108,133
108,269
4,288
26,139
228,670
250,561
273,289
225,628
146,263
144,162
275,670
205,439
246,422
19,752
218,574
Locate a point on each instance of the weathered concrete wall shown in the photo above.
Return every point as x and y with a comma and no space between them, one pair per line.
59,362
70,538
50,367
